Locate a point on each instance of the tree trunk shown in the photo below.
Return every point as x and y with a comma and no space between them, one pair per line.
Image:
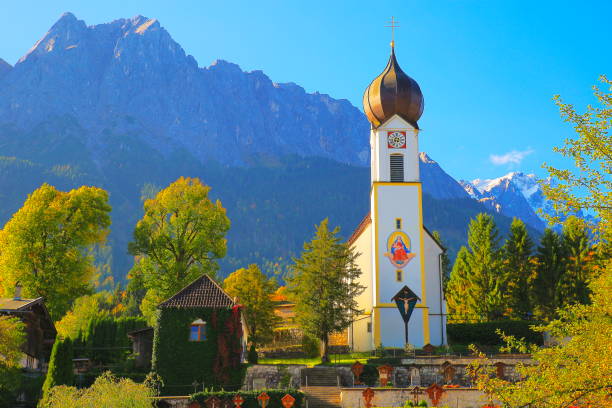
324,351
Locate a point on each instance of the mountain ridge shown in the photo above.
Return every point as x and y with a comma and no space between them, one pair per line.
121,106
131,76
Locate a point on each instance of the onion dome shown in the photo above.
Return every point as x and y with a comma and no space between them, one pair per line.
393,93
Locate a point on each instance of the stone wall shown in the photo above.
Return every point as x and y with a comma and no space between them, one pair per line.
425,371
396,397
261,376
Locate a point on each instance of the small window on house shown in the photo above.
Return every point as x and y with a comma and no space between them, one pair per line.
398,223
369,327
197,330
398,275
397,168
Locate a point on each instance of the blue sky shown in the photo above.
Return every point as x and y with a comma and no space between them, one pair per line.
488,69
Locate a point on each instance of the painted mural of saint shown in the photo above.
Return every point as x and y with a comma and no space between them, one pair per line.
399,253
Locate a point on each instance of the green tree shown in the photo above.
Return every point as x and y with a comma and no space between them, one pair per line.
456,292
587,187
578,261
576,372
518,268
179,238
254,290
46,246
445,262
12,336
323,283
60,370
549,269
477,283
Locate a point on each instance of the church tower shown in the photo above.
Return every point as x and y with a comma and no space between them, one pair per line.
393,240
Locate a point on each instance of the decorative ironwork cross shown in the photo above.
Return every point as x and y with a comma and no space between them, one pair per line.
238,401
434,392
212,402
368,395
393,24
263,399
288,401
416,391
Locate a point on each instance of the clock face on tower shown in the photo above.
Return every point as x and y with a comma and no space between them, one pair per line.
396,139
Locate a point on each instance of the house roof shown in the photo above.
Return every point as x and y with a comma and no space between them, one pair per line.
203,292
17,305
140,332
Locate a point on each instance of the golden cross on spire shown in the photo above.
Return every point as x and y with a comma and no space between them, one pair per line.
393,24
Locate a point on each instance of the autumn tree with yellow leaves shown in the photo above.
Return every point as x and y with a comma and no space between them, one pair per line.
47,245
179,238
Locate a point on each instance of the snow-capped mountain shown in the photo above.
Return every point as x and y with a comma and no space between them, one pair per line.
436,182
515,195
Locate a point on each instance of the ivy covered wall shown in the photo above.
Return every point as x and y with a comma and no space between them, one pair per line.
214,362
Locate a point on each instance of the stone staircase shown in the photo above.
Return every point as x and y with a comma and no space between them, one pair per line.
322,397
321,386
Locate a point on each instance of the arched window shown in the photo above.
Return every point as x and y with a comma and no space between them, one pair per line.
197,330
397,167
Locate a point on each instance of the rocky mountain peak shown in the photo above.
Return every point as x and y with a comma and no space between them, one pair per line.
5,67
424,158
514,194
64,35
439,184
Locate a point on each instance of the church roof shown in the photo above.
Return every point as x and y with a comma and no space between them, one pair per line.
393,93
367,220
203,292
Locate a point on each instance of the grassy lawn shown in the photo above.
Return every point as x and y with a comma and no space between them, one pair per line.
335,359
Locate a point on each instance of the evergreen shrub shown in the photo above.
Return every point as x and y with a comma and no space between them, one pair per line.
60,371
105,339
484,333
252,356
250,397
311,346
369,376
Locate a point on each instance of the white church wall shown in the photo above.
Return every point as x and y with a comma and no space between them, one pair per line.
435,298
392,328
360,334
363,246
382,152
395,201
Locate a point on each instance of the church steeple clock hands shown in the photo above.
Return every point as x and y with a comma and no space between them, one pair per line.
396,249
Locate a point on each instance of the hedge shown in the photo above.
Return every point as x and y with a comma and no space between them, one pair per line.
485,333
250,397
105,339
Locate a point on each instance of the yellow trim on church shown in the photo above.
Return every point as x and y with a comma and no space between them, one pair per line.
376,301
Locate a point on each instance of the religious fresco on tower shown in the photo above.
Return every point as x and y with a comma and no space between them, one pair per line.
399,250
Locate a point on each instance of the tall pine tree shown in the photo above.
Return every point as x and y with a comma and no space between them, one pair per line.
323,284
517,252
578,262
477,281
60,370
456,288
546,288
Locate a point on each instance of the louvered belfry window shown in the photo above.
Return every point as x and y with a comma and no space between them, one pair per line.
397,168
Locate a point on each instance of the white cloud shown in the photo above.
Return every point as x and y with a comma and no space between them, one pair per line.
514,157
